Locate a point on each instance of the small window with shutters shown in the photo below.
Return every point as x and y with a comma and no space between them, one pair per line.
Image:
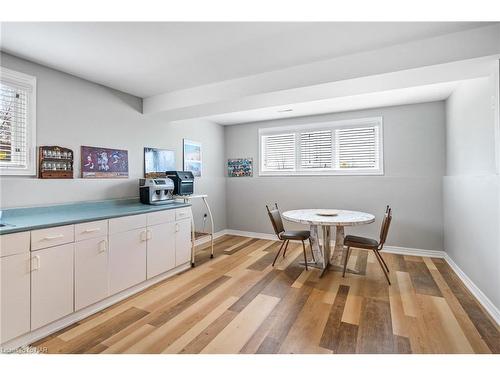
17,123
350,147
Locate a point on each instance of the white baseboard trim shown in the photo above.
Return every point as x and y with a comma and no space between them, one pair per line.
473,288
412,251
262,236
47,330
476,292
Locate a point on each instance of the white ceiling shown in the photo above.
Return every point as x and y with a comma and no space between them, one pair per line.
410,95
146,59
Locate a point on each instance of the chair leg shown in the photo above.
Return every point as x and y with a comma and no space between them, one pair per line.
305,256
382,266
278,253
286,246
383,261
312,252
346,259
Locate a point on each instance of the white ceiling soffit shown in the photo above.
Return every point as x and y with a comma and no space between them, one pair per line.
150,58
409,95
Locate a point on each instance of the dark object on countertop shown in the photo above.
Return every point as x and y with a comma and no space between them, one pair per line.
156,190
183,182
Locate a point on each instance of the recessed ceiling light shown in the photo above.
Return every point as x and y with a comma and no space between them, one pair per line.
285,110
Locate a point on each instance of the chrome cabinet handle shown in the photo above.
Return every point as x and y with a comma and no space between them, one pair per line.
54,237
91,230
35,263
144,236
103,246
176,227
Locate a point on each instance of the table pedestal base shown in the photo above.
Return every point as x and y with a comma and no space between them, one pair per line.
321,247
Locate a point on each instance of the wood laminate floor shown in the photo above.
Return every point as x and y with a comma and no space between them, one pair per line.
238,303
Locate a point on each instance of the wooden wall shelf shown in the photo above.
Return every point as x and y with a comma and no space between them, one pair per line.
55,162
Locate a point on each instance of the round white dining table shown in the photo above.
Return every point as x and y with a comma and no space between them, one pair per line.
322,221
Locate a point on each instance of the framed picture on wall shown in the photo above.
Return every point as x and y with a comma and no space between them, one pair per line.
157,161
99,162
240,167
192,157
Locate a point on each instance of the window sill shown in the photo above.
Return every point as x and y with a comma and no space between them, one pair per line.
319,174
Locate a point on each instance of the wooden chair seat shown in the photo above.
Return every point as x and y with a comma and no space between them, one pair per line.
371,244
362,242
299,235
287,235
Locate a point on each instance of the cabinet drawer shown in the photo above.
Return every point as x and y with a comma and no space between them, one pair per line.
183,213
123,224
85,231
161,217
15,243
49,237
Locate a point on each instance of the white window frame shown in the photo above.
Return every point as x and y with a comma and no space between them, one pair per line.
330,125
29,82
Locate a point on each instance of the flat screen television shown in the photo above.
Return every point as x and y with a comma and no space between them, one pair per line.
157,161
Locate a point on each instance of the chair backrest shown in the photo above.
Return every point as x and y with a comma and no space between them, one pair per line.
386,223
275,216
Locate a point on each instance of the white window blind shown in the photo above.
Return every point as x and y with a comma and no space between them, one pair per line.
17,131
357,148
316,149
278,152
13,137
343,147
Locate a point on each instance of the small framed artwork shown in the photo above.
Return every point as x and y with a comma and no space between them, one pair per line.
192,157
240,167
99,162
158,161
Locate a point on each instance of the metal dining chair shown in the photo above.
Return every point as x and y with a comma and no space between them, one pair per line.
371,244
286,236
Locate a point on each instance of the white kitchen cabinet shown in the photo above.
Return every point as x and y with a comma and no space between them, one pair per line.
161,248
14,296
51,284
182,242
91,271
127,259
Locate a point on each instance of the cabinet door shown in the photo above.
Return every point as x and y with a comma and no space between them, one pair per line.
127,259
14,296
91,271
51,284
182,242
161,248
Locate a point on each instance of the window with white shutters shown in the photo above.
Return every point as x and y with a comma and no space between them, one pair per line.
17,123
278,152
352,147
316,149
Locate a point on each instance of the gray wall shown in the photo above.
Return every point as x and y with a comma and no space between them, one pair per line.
72,112
472,187
414,158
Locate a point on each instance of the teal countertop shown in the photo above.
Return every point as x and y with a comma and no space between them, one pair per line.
24,219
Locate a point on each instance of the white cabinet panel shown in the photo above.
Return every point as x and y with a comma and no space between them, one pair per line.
126,223
127,259
161,217
182,242
93,229
15,243
161,248
183,213
15,296
43,238
91,271
51,284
